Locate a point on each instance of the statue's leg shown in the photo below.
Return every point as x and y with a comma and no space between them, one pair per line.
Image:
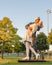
34,44
30,54
35,47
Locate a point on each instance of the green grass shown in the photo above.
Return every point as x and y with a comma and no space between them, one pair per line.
13,60
29,63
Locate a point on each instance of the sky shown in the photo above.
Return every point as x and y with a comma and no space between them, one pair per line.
21,12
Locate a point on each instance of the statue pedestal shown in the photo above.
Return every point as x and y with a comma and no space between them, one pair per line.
31,61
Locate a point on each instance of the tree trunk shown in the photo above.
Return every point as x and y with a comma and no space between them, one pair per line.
2,52
41,55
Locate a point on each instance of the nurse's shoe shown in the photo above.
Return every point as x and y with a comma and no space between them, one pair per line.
26,58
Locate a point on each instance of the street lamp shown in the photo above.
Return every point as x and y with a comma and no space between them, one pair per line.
48,12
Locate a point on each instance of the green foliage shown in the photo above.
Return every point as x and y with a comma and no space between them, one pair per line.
42,42
49,38
8,35
6,29
8,48
22,47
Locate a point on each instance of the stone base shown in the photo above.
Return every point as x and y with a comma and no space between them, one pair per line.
31,61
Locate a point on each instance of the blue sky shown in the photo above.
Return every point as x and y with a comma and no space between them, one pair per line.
22,12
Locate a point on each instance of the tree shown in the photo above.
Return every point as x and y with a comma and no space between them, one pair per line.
7,31
49,38
42,43
8,48
15,41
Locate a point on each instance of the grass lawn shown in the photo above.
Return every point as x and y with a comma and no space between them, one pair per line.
13,60
27,63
